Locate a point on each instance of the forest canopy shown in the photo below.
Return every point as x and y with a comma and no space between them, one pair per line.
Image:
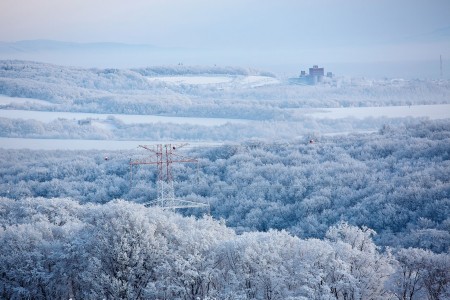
57,248
395,181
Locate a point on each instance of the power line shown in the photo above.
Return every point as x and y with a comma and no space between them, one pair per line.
163,156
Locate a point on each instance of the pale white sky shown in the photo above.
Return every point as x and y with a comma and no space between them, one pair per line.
332,30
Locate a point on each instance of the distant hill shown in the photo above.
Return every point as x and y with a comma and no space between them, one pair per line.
102,54
30,46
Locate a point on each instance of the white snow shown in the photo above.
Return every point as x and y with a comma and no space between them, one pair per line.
103,125
68,144
256,81
7,100
193,80
242,81
48,116
434,112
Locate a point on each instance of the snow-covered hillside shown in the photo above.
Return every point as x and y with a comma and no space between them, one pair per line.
201,103
333,191
318,208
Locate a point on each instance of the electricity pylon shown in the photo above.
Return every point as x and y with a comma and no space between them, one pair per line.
165,156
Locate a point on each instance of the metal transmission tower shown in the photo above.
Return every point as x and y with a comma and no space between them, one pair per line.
164,156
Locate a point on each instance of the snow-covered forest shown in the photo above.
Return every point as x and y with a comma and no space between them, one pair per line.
301,206
303,221
130,91
272,108
395,181
57,248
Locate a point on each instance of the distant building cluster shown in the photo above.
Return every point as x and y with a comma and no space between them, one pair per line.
314,76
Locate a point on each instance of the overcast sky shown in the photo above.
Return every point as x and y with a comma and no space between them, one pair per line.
332,30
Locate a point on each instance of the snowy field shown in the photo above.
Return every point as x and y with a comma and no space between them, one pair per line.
6,100
433,112
192,80
61,144
48,116
101,121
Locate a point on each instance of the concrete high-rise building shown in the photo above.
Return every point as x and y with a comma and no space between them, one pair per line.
315,75
316,71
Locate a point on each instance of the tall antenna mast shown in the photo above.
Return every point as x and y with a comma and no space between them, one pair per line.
163,157
440,59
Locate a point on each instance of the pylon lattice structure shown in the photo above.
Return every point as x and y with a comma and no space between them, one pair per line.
163,157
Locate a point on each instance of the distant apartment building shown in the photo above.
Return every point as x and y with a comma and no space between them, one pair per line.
314,76
316,71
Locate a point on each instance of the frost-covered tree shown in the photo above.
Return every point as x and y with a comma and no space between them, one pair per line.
365,269
421,274
56,248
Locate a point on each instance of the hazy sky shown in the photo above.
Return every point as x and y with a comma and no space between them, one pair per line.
333,30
